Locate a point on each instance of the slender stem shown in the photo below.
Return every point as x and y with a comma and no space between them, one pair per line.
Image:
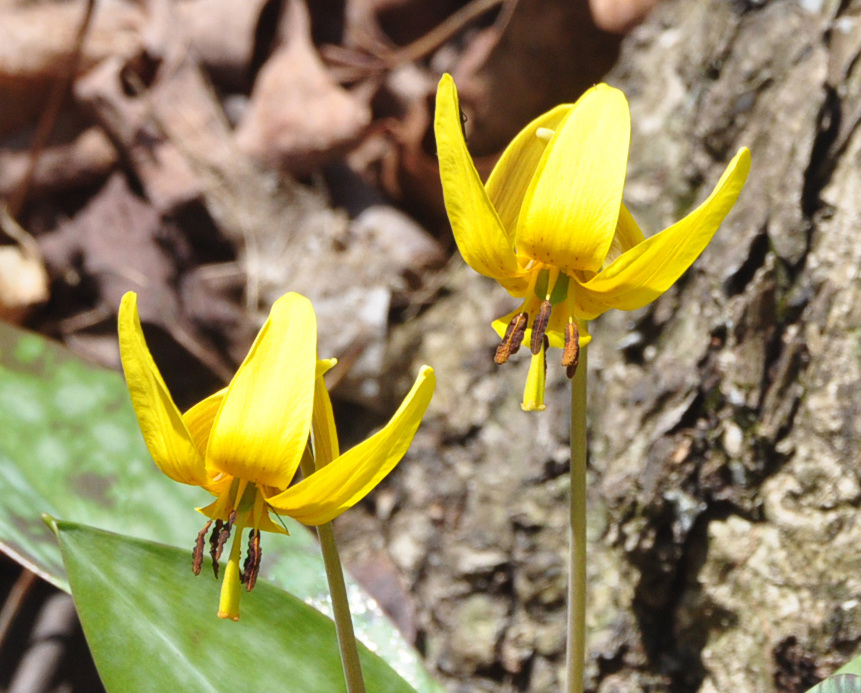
576,655
17,596
341,608
340,604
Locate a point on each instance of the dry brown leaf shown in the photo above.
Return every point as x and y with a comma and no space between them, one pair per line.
36,40
620,16
226,55
128,119
88,157
299,117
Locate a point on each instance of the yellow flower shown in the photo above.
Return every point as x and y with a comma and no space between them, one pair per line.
549,225
244,443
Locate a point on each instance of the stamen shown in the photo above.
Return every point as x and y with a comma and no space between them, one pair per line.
539,327
251,567
546,346
216,544
513,338
545,134
197,554
571,350
223,536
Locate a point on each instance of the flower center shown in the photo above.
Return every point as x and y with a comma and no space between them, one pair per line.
549,287
238,505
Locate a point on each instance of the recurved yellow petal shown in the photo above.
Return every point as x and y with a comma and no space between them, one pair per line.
627,236
166,436
263,424
483,241
324,366
510,178
344,482
199,419
646,271
323,431
570,211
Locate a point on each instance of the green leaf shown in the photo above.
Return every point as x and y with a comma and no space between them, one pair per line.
839,683
71,447
142,612
851,667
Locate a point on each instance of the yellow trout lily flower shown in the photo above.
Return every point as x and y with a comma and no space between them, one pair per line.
244,443
549,225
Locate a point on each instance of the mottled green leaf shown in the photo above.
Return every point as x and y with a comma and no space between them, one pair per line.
70,446
144,617
839,683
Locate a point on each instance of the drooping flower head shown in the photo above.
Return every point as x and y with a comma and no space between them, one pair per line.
244,443
549,225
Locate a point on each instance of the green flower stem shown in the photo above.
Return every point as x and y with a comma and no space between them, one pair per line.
341,609
340,604
576,654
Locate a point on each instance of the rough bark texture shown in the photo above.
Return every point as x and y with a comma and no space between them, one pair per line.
725,431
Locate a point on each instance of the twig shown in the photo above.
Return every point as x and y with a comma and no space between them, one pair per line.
15,601
49,115
387,59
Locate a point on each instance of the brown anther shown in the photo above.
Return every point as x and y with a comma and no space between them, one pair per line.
251,567
539,327
216,544
546,346
197,554
513,338
571,350
214,551
223,536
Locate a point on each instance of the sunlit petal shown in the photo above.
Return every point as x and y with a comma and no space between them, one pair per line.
651,267
345,481
627,235
570,211
483,241
512,174
263,424
166,436
324,366
323,431
199,419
